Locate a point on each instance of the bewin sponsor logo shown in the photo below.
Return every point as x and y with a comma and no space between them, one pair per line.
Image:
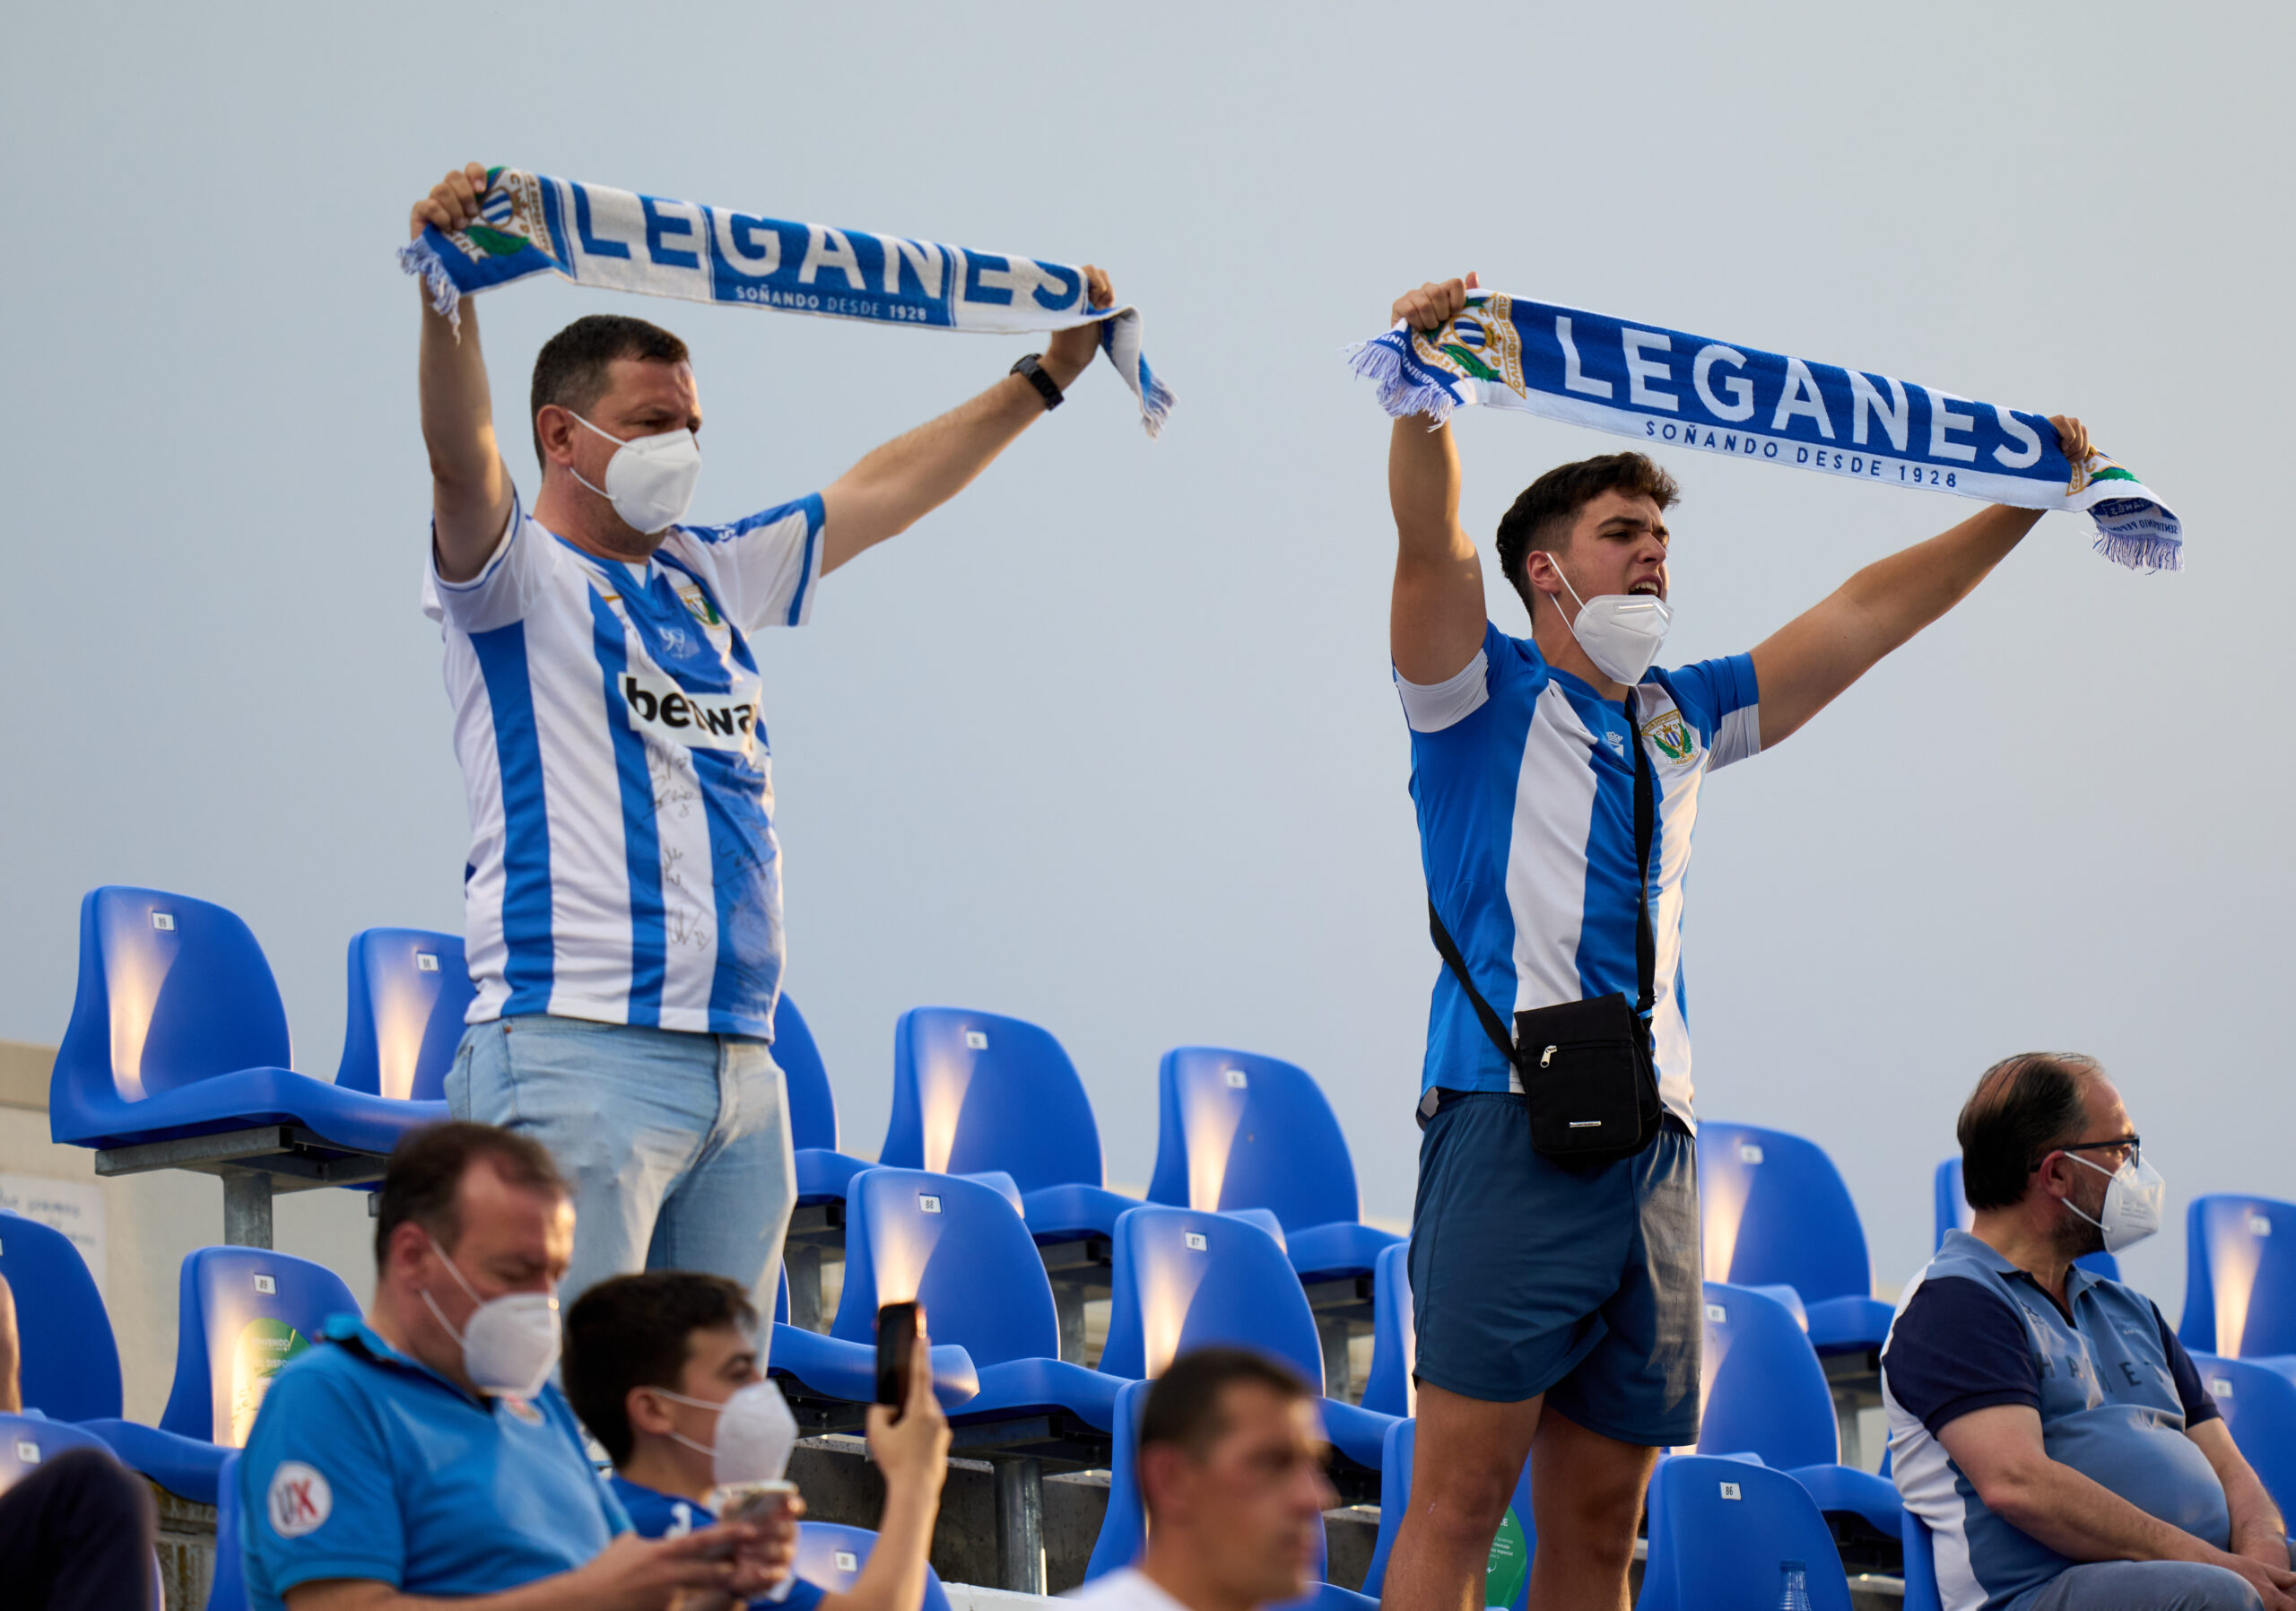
659,707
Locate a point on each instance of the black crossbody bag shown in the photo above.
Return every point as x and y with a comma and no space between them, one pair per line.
1587,1076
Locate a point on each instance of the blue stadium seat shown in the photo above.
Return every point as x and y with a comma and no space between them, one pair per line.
1394,1338
241,1313
956,1247
977,1091
1765,1394
2258,1398
2240,1276
822,1172
1920,1567
830,1556
408,991
1238,1130
70,1366
28,1441
227,1590
1124,1528
1184,1278
177,1030
1773,1210
69,1363
1953,1214
1723,1531
1506,1575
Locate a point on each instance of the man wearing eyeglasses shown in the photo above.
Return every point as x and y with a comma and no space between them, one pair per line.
2044,1422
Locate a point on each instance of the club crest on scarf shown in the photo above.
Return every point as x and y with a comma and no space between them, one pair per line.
1481,343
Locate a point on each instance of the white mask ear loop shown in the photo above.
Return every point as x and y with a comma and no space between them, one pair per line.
577,474
678,1437
469,1291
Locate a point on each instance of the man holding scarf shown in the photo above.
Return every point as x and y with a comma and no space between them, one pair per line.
622,897
1558,1298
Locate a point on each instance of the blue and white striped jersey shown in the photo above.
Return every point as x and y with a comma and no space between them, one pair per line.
623,865
1525,794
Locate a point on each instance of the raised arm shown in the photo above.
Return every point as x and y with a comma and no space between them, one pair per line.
1804,663
2001,1452
910,476
1436,620
470,485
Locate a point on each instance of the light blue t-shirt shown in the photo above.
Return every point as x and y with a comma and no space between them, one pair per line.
654,1514
1525,794
363,1463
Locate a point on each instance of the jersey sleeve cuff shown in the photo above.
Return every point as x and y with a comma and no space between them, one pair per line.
493,559
1432,706
1939,1419
319,1569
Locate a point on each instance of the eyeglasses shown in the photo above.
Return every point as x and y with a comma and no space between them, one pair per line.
2131,1148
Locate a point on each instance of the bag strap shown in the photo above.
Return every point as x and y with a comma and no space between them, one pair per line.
1645,939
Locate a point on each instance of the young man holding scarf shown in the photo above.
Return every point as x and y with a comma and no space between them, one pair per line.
622,897
1558,1297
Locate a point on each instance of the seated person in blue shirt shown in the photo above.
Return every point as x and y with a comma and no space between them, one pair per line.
422,1458
651,1360
2044,1422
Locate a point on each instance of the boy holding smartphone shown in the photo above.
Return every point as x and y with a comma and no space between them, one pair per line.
651,1359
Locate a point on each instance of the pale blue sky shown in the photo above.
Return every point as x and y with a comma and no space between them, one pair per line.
1109,743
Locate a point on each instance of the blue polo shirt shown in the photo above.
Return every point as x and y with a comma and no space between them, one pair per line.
2115,1390
654,1514
365,1464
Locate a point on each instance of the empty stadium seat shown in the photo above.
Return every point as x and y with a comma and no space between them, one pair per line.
956,1247
830,1556
1394,1338
70,1365
1123,1528
1722,1533
1184,1278
1953,1214
977,1091
1772,1208
177,1030
2240,1276
28,1441
227,1590
1507,1576
241,1313
1764,1393
822,1172
1920,1567
2258,1398
1238,1130
70,1362
408,991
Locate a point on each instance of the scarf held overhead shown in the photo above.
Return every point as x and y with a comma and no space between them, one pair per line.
1668,388
530,224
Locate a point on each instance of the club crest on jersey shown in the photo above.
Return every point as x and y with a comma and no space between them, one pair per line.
1670,734
698,605
658,707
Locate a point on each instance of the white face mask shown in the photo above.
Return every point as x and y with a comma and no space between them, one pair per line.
2135,1198
755,1433
1620,631
649,479
509,1343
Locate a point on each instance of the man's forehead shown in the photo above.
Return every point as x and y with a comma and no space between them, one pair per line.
636,381
1614,510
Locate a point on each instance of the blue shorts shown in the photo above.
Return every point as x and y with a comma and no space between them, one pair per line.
1530,1278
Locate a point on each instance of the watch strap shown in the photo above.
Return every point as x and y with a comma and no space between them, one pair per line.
1030,370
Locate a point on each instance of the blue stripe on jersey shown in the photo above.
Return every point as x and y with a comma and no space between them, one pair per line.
525,823
641,839
814,519
744,881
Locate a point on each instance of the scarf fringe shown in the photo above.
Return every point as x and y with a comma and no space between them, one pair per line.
1381,362
419,258
2149,553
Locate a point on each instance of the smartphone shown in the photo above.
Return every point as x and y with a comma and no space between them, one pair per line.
746,1502
896,1342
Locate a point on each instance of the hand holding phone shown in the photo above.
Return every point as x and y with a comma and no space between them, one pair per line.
896,1342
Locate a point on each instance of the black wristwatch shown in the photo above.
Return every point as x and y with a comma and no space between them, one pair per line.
1034,374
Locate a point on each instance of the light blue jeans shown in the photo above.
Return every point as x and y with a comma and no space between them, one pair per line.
676,1146
2144,1586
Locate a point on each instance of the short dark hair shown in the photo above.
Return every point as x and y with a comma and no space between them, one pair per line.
570,370
1541,518
2023,1107
1184,1406
637,1331
427,1168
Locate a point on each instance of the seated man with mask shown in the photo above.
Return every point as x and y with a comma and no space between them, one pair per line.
422,1457
662,1369
2044,1422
